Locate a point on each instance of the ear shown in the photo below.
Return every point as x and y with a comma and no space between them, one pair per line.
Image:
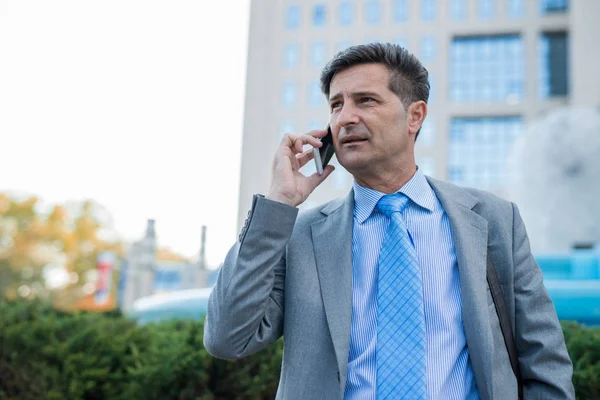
416,114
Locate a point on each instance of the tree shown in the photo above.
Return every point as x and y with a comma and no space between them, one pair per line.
30,240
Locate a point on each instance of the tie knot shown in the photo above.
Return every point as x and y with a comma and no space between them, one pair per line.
391,203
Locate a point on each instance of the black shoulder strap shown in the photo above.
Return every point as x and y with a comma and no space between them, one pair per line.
509,340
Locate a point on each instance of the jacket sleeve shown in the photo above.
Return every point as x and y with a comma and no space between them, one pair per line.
245,308
545,365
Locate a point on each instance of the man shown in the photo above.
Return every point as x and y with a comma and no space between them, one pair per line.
383,294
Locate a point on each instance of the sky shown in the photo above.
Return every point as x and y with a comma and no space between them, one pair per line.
136,104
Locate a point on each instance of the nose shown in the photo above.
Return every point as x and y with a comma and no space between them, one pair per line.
347,116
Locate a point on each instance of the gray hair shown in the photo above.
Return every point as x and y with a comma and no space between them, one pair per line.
409,79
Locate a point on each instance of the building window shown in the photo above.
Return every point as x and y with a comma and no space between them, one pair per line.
428,48
487,68
291,55
426,165
432,89
400,10
314,125
428,10
292,17
373,12
427,133
286,127
319,15
553,6
288,94
486,9
317,54
342,180
479,148
346,13
401,41
343,45
315,97
553,64
458,9
516,8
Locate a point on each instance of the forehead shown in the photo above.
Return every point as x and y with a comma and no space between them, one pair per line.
360,78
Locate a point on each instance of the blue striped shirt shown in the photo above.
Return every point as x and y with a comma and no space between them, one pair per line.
449,373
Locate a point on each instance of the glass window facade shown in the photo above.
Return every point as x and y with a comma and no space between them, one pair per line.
314,124
373,12
400,10
315,97
343,45
516,8
553,6
401,41
432,89
291,53
426,165
486,9
458,10
288,94
346,13
319,15
428,10
428,48
292,17
427,134
285,127
487,68
478,150
553,64
318,53
342,180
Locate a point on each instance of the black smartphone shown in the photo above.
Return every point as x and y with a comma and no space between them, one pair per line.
323,154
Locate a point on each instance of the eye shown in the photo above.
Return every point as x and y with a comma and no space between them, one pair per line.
366,99
335,105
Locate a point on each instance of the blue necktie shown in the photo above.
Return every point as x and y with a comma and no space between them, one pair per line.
400,353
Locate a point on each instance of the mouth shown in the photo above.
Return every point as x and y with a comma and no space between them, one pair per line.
353,140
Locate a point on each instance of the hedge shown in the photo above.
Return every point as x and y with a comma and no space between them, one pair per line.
48,354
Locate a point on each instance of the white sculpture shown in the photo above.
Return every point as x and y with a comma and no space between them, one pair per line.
555,168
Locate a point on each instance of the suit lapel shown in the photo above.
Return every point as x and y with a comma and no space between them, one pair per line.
332,241
469,231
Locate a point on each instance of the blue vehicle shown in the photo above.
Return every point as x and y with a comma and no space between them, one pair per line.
181,304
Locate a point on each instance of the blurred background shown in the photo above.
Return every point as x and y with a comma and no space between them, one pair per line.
135,133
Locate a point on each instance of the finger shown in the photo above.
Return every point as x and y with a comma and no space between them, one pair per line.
300,141
316,179
291,141
305,157
286,139
318,133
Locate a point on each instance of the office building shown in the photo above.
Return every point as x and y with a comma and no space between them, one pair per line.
495,65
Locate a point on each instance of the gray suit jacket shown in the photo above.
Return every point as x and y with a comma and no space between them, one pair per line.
291,275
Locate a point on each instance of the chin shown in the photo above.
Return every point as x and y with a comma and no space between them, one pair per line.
352,164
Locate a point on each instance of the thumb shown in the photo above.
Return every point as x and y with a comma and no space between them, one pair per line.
316,179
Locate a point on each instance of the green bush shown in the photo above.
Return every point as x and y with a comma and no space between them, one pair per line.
47,354
584,349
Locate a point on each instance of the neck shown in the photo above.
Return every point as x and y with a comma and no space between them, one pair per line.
388,181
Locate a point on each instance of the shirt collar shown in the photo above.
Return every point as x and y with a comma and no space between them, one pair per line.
416,189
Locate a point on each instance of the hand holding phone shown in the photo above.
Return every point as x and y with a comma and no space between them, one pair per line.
288,184
323,155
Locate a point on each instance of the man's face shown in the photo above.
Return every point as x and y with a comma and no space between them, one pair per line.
368,121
